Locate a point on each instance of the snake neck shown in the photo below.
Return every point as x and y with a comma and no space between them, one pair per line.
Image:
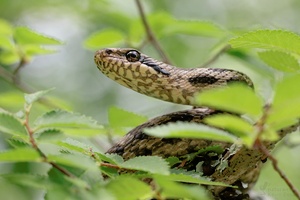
148,76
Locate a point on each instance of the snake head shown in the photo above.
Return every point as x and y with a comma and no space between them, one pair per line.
131,56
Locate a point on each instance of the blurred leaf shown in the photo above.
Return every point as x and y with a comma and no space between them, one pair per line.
164,25
237,98
269,39
11,125
26,36
50,135
234,124
151,164
104,38
199,28
190,130
20,155
286,104
77,161
61,118
193,179
111,158
31,98
30,180
74,145
12,99
6,43
31,50
83,132
9,57
118,117
172,190
129,188
280,60
16,143
173,160
5,28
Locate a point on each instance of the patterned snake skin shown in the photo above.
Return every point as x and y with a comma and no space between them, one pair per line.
148,76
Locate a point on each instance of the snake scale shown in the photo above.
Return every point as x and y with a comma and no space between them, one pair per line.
148,76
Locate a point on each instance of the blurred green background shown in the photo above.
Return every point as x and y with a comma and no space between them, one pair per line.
78,82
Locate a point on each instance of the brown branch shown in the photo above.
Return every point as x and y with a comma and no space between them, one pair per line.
61,169
110,165
260,126
216,56
278,170
150,35
35,146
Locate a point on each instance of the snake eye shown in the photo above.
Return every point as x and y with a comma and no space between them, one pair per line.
133,56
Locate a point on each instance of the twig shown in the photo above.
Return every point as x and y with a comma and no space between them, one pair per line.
216,56
110,165
278,170
260,126
61,169
150,34
35,146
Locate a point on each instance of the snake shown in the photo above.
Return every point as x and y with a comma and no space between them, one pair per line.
146,75
153,78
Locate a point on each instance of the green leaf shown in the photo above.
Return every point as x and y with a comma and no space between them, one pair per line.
6,43
74,145
193,179
280,60
12,99
269,39
164,25
129,188
26,36
111,158
199,28
190,130
11,125
9,57
237,98
31,98
31,50
104,38
16,143
234,124
118,117
286,103
5,28
77,161
173,160
151,164
20,155
29,180
50,135
61,118
173,190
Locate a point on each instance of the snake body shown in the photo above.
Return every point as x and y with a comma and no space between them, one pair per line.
148,76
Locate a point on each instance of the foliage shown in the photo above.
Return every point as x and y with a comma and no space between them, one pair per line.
58,140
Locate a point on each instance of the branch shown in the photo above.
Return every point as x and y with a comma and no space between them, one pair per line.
278,170
260,125
150,34
35,146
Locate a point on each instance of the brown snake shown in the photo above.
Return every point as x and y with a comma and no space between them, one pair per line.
148,76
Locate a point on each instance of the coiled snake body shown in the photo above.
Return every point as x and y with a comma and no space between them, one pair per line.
148,76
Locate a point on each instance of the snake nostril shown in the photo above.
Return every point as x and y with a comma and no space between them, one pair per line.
108,51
